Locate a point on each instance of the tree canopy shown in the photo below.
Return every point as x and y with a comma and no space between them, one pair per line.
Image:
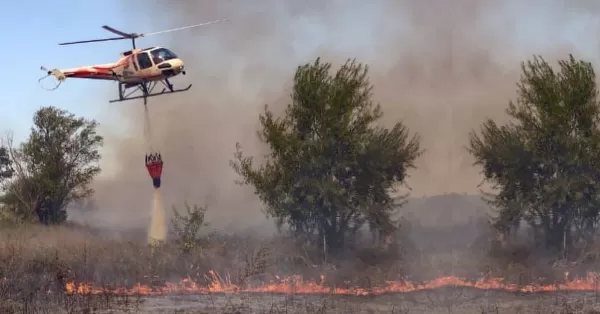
330,168
6,171
544,163
53,167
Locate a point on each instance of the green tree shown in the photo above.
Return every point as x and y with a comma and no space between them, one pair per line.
544,163
6,171
53,167
330,170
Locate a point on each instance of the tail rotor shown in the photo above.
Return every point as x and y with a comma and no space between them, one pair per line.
58,74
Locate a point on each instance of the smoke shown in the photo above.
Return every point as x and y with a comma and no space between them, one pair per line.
442,67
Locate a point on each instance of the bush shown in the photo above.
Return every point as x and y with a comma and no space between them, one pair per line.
186,228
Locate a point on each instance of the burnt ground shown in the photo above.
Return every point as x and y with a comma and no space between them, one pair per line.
445,300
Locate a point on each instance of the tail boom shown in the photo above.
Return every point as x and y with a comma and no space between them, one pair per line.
98,72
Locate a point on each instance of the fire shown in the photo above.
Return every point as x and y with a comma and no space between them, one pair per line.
295,285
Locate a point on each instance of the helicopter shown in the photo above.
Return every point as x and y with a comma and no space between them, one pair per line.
137,69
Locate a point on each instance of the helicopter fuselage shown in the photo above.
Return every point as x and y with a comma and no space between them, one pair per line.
135,67
140,69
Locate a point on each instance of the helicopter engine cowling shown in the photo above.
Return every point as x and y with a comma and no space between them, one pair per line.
129,52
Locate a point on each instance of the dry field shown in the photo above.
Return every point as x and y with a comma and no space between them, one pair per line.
442,300
46,270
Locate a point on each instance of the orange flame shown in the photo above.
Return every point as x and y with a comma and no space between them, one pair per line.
295,285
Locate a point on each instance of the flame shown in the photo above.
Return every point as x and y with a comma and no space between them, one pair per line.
296,285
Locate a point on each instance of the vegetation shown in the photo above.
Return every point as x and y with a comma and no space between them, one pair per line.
52,168
38,262
545,162
330,169
186,228
6,171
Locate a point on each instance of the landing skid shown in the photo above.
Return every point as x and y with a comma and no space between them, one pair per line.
146,88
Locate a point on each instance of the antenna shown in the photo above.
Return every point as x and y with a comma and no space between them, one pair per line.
133,36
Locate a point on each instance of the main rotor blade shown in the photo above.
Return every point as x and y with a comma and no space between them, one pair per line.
118,32
182,28
92,41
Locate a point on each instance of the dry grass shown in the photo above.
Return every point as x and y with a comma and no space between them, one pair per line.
36,263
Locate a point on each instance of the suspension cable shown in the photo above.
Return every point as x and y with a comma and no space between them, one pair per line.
148,130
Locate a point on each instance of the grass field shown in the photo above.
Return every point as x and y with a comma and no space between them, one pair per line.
39,264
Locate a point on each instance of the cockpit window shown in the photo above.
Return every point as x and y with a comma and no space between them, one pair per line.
161,54
144,60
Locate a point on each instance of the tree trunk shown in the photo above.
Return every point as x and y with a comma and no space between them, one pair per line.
335,237
40,212
322,242
375,235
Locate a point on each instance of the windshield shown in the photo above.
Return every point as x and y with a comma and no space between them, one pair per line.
162,54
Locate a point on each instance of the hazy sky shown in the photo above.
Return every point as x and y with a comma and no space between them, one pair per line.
424,56
31,31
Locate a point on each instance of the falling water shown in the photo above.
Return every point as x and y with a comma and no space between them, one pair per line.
158,228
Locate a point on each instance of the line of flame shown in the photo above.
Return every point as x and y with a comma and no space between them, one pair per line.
295,285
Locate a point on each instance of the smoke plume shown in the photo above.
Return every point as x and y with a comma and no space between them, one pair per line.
442,67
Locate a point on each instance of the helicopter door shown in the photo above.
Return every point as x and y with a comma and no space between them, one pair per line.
144,61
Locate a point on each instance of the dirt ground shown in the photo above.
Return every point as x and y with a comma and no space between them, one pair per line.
447,300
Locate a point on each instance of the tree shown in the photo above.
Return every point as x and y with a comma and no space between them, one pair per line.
544,164
330,170
6,171
53,167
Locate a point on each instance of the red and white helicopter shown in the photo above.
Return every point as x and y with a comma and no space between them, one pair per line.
141,69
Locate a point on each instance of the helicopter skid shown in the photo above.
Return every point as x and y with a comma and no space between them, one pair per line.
146,88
